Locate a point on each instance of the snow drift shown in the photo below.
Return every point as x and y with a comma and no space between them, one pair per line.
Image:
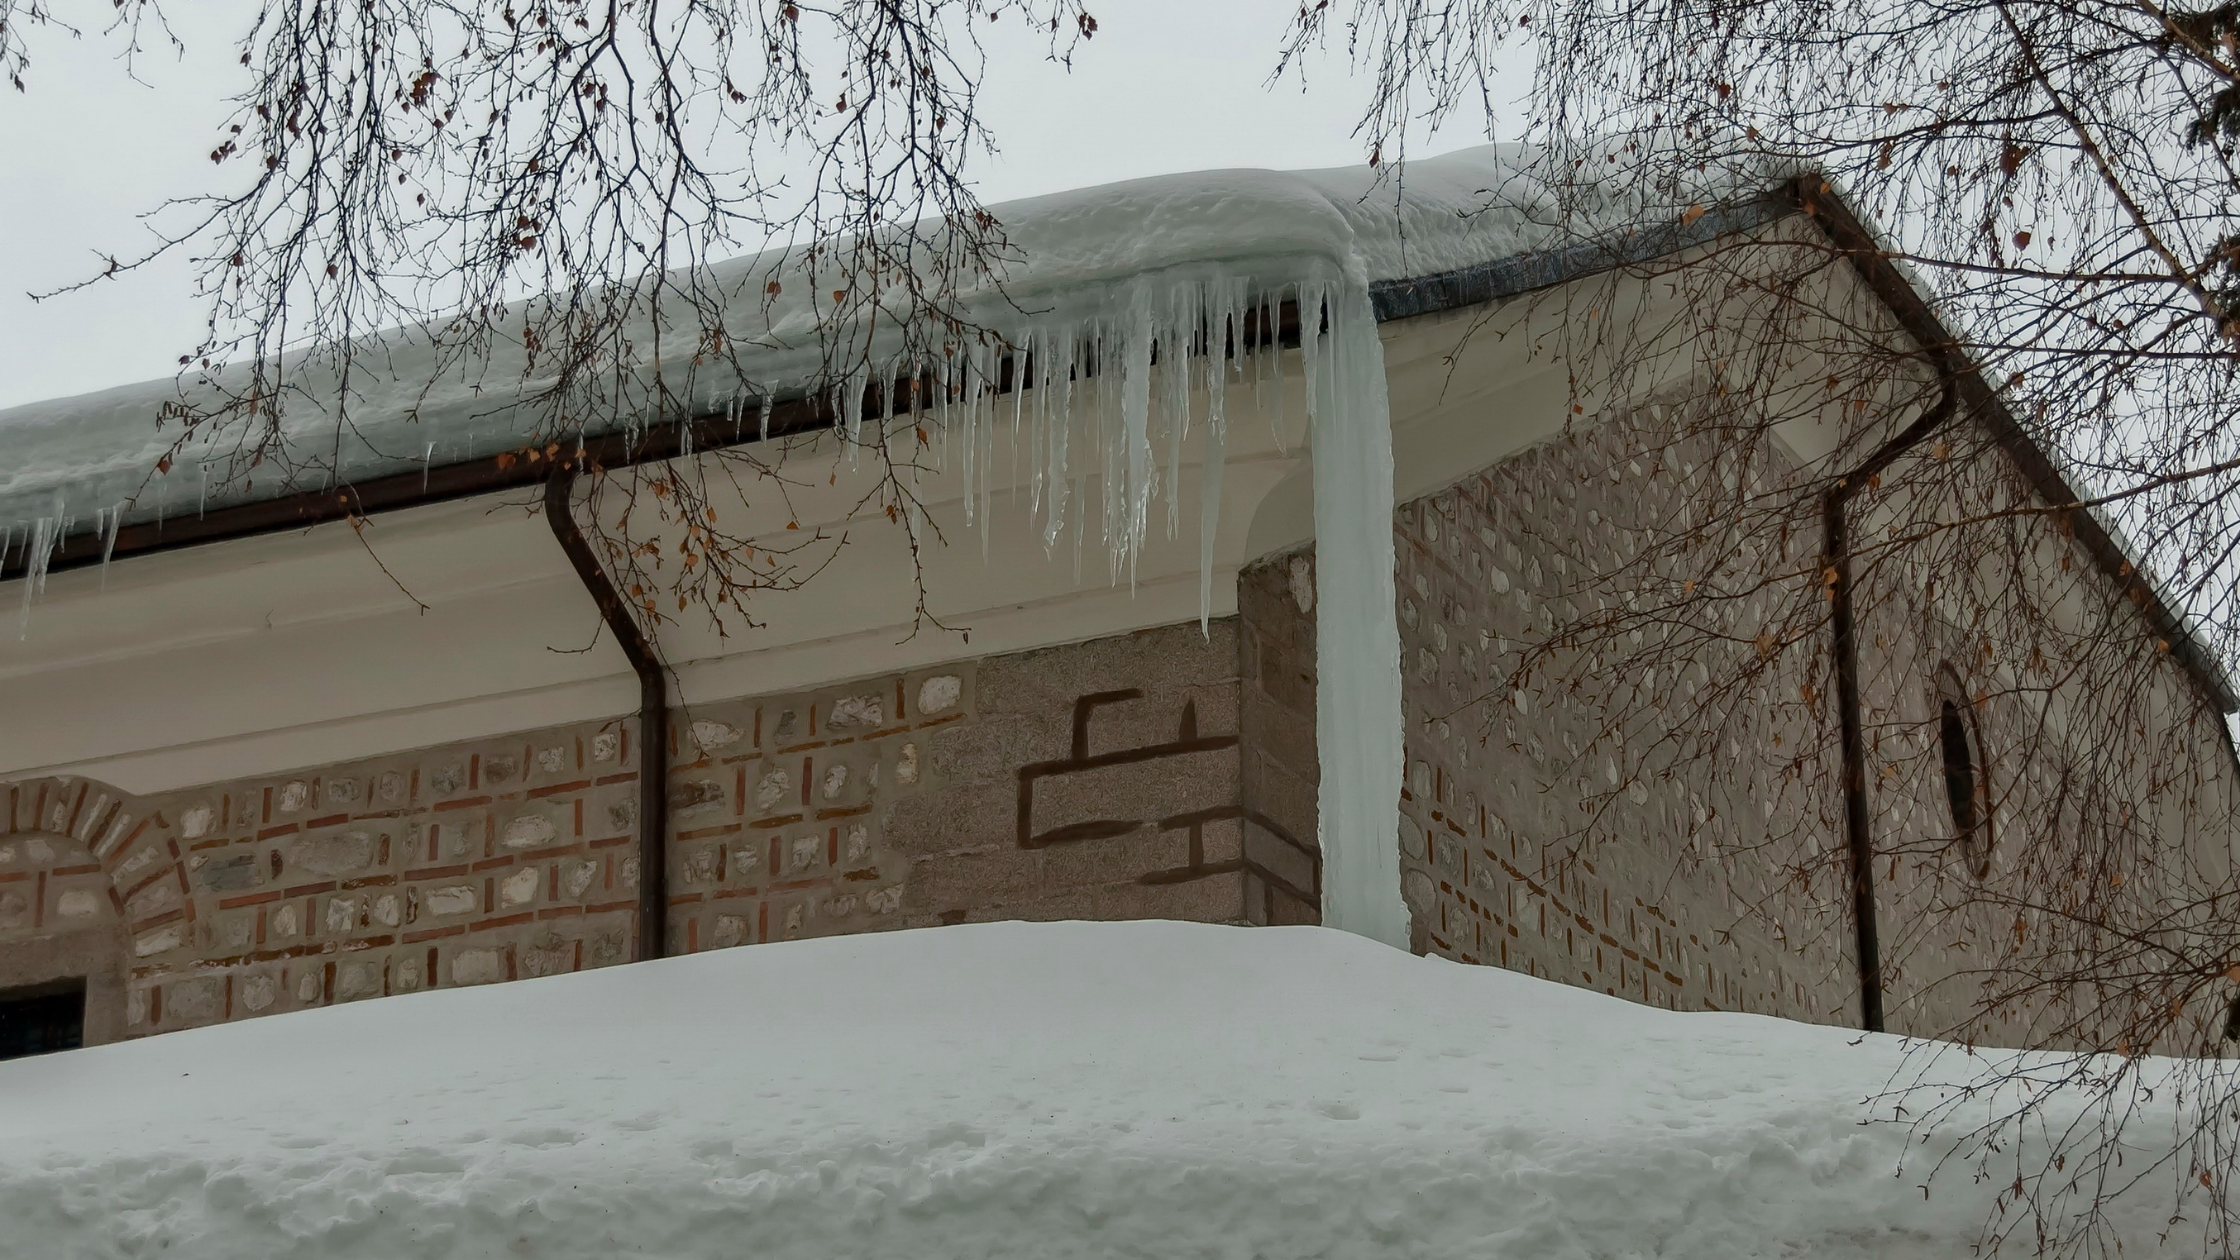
1046,1091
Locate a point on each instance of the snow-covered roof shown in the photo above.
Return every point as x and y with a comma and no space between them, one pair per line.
1030,1090
1101,273
75,457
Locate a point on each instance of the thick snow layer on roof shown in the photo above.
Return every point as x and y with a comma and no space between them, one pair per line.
78,456
1044,1091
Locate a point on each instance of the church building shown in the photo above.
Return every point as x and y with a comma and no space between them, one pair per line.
1230,585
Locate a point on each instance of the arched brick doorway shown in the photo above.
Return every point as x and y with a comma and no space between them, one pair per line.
88,874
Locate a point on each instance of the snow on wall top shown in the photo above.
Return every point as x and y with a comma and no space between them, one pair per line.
1051,1091
71,458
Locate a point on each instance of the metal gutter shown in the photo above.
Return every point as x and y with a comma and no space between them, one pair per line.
440,484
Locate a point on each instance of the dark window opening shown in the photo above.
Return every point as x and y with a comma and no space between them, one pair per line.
43,1019
1967,787
1959,771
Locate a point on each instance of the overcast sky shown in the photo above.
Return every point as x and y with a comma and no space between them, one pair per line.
1166,85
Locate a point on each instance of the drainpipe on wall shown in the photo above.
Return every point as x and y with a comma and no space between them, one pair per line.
1858,823
653,714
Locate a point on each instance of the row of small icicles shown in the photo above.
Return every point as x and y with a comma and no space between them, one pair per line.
1161,342
1106,400
1169,342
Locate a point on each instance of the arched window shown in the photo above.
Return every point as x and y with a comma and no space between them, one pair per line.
1966,793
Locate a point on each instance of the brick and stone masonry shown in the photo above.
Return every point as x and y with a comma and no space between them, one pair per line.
1715,882
1166,773
1092,780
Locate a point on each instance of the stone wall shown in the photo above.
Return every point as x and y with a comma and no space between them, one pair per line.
1525,843
467,864
1533,839
1281,773
2104,779
1499,865
1093,780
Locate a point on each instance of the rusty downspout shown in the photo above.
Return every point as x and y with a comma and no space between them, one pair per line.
653,713
1858,822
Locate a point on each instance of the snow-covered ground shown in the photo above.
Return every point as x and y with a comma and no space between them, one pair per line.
1048,1091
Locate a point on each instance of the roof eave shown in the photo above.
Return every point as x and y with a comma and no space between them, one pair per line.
1810,196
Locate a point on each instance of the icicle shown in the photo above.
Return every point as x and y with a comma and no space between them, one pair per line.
1022,359
1260,350
1218,315
1174,374
109,541
859,401
888,393
968,439
46,537
1135,419
31,568
988,451
1080,521
1357,637
987,365
1038,361
1115,456
1055,471
1091,362
1272,324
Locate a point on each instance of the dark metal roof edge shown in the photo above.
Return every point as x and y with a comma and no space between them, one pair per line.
441,483
1813,197
1544,269
1818,200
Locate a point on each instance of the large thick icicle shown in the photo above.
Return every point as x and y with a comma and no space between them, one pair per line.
1357,633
